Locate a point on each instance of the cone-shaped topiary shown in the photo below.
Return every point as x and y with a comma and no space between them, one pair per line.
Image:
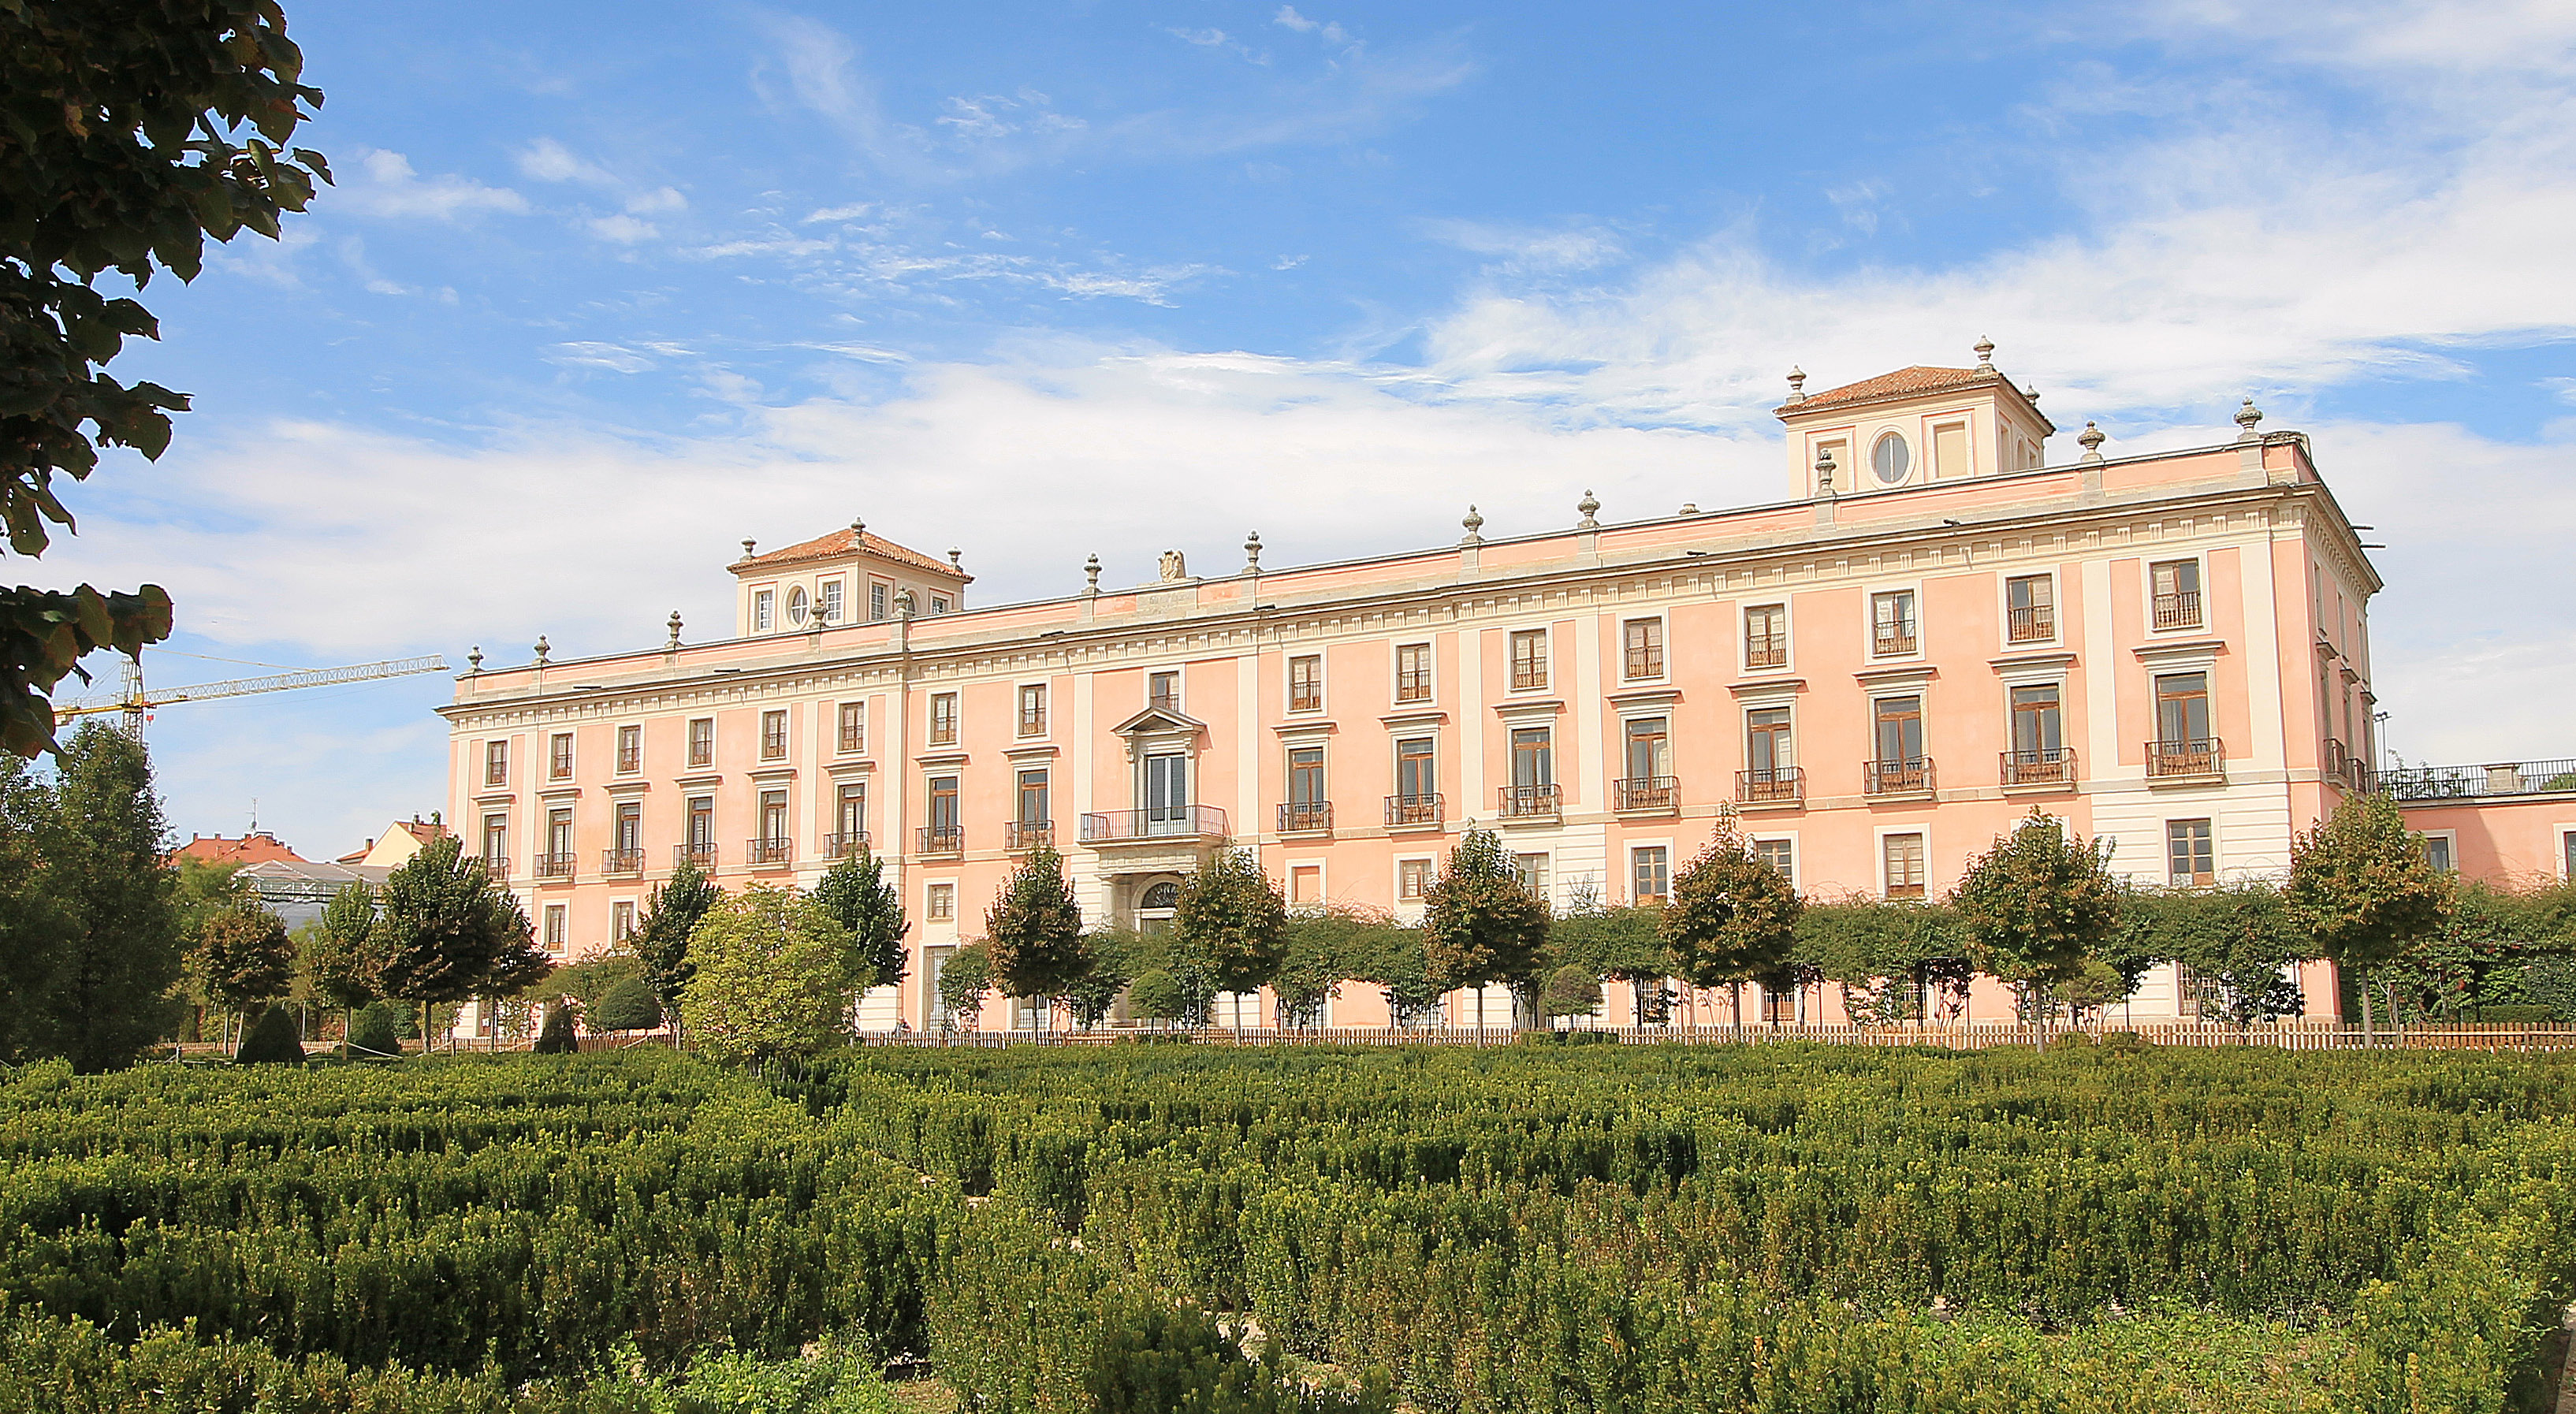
271,1041
557,1037
627,1005
375,1031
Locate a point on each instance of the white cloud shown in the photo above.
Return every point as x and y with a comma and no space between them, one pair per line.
661,201
385,185
547,160
625,230
854,212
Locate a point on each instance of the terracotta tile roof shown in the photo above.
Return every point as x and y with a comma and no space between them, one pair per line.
249,849
1903,383
840,542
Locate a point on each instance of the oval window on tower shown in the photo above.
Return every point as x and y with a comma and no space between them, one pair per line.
796,606
1890,459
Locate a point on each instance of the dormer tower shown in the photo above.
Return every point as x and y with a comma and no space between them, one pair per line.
846,577
1913,427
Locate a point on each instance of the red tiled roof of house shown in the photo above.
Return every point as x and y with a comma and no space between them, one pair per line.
1903,383
842,542
419,829
258,847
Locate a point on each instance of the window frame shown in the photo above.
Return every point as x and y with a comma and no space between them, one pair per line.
1313,700
557,926
1659,649
832,601
1427,688
496,763
1527,672
1157,697
939,901
1405,870
2047,579
773,734
1024,723
630,748
764,610
1745,650
1637,876
1922,886
2199,621
939,722
1912,594
559,756
880,600
698,759
1029,782
2205,845
1880,481
850,727
1789,842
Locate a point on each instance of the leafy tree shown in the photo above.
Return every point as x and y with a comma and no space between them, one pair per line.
35,928
856,892
1034,930
557,1037
1402,966
2362,890
2479,957
1093,995
1570,991
1732,917
124,952
338,954
775,976
661,937
447,932
2235,939
1232,916
1323,950
1480,924
627,1005
1622,943
2038,903
246,958
964,981
1890,959
1155,996
271,1040
376,1030
120,118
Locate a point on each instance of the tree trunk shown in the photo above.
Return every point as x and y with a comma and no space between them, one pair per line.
1735,997
2366,1018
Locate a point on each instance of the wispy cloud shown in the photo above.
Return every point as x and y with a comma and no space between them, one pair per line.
384,185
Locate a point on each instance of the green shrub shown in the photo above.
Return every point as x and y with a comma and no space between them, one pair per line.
2520,1015
271,1040
627,1005
557,1037
377,1030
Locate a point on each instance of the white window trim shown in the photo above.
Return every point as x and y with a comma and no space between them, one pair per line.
954,910
1744,727
2217,847
820,587
1402,860
840,704
1548,892
1395,676
1046,708
1744,636
1878,857
893,610
2558,850
1869,623
2147,595
2004,641
1797,856
1323,886
1180,688
1673,862
764,601
1288,686
1964,420
1869,460
798,596
1547,655
619,766
2451,841
572,756
956,719
1664,623
786,734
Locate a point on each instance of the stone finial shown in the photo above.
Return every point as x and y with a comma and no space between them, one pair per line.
2247,416
858,533
474,660
1797,384
1588,505
1174,566
1985,354
542,650
2091,440
1091,575
1474,521
1252,552
2030,394
1824,471
1689,508
953,554
673,623
903,604
746,548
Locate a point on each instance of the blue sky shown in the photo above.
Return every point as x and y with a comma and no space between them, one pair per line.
605,289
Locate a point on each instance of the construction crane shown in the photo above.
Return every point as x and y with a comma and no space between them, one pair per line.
134,701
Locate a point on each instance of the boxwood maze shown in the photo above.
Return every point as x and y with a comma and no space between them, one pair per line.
1594,1228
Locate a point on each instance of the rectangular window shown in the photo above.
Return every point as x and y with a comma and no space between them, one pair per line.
1649,874
702,741
943,805
850,818
1167,793
1532,869
1766,740
2191,854
943,719
938,606
2174,588
1412,879
702,825
877,594
496,843
830,612
1306,683
773,817
1533,757
2182,711
764,611
1306,883
1306,776
559,833
621,920
2567,856
773,735
1163,690
2037,734
1413,672
939,903
630,750
559,756
1766,636
1529,660
1779,854
1903,855
628,840
2030,608
1950,450
496,763
1899,730
853,728
1892,626
1641,644
1417,782
2437,852
558,927
1033,709
1649,748
1033,798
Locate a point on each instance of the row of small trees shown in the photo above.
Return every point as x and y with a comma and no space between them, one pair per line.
2040,910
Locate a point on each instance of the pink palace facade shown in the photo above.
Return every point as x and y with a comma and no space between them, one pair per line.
1934,631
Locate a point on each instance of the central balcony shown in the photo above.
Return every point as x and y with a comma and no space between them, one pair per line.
621,861
1639,794
1415,812
2187,759
1528,802
845,844
703,855
554,866
1771,785
769,853
1021,836
1910,775
940,839
1171,822
1306,817
2041,766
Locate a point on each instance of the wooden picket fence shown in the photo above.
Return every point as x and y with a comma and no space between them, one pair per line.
1973,1036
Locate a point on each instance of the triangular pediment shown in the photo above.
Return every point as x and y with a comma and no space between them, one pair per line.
1159,721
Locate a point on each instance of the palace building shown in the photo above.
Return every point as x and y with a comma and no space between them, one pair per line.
1937,629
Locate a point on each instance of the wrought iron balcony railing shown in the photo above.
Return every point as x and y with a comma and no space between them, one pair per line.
1771,785
621,861
1527,802
1019,835
2191,756
2462,782
769,853
702,854
497,865
1305,815
1908,775
1646,793
554,866
1171,822
1415,809
2040,766
940,839
844,844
